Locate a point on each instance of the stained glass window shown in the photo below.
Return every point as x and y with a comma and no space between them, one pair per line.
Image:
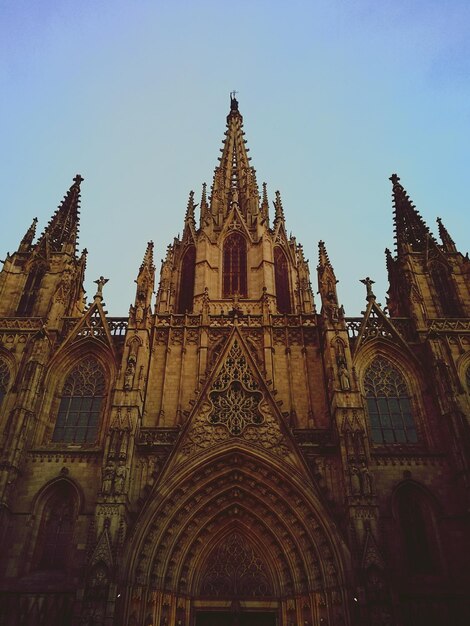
186,294
80,404
281,270
234,266
4,379
388,404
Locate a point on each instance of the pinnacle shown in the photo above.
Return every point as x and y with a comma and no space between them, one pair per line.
191,207
148,258
446,239
279,211
323,258
410,227
63,225
29,236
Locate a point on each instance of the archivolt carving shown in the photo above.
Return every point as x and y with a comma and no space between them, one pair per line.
235,493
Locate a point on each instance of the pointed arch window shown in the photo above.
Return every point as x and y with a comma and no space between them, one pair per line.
281,275
234,266
416,518
4,379
442,282
56,531
186,293
31,290
81,404
388,404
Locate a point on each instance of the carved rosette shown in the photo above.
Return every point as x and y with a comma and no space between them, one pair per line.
234,396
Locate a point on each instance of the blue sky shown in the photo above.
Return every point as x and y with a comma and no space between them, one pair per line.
336,96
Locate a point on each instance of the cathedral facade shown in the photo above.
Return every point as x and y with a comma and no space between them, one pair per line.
233,452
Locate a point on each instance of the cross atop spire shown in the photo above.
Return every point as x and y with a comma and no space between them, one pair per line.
62,229
410,228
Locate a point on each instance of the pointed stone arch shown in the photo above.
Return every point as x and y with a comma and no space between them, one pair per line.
234,266
186,279
281,279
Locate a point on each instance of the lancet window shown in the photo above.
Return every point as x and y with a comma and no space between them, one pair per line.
388,404
81,403
4,379
31,289
186,292
444,289
56,531
417,530
281,274
234,266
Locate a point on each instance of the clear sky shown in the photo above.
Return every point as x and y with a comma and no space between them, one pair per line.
336,96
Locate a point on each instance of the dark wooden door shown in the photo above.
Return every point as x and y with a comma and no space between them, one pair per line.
216,618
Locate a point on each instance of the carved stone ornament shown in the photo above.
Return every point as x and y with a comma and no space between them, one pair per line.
236,570
234,395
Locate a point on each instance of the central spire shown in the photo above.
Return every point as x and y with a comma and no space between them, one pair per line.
234,178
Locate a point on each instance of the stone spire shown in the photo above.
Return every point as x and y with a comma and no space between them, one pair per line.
234,178
410,228
447,241
27,240
62,231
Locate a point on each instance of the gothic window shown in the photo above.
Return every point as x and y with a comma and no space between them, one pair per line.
234,266
281,275
80,405
388,404
417,530
4,379
186,294
444,289
56,532
31,289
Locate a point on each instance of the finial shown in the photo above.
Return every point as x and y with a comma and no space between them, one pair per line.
191,207
368,282
78,179
395,179
101,282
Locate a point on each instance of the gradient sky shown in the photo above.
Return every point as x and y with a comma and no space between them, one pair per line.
336,96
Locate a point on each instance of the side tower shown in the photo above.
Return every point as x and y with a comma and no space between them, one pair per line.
45,279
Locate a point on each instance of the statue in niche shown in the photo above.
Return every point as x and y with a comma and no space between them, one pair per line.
130,373
343,374
108,478
355,480
366,480
120,479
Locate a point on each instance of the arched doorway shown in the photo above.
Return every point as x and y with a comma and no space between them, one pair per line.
238,538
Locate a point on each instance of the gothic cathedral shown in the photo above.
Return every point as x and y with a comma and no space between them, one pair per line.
232,453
